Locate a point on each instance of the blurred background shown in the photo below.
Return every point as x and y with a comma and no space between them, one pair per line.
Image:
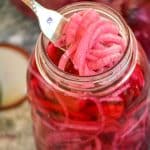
19,30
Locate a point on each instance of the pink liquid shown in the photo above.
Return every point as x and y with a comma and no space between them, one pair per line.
63,122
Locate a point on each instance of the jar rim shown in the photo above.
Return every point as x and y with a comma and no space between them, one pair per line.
105,76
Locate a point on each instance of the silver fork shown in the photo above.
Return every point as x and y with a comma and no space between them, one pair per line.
50,21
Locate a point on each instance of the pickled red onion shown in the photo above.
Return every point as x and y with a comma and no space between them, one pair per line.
93,43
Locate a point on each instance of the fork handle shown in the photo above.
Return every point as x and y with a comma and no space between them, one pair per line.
28,3
33,5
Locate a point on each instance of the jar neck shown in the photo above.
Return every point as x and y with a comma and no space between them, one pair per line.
99,84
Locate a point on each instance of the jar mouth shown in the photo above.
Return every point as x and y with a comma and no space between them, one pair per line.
105,78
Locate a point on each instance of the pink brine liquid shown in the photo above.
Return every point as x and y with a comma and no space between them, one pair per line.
117,121
85,119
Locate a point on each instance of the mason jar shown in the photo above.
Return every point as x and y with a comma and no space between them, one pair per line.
107,111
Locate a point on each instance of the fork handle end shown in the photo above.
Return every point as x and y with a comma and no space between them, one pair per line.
28,3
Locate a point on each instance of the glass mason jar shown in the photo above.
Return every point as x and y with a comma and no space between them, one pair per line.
108,111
